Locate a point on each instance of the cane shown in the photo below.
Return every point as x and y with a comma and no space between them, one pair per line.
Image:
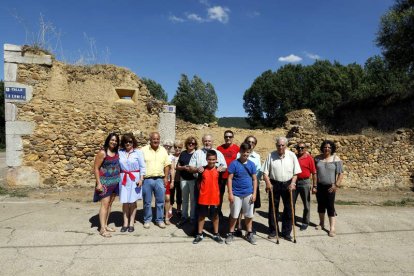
274,216
293,217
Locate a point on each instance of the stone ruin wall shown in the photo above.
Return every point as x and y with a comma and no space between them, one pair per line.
53,136
382,161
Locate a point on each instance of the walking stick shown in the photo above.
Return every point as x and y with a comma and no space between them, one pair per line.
274,216
293,217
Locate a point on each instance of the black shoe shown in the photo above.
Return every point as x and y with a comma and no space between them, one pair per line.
218,239
303,227
198,238
178,213
131,229
271,235
124,228
229,238
287,237
250,238
238,233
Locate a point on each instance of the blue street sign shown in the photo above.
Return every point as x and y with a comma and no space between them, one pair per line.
15,93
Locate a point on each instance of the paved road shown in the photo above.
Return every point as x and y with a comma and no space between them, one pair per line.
60,238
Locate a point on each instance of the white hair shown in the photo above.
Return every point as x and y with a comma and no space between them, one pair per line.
281,138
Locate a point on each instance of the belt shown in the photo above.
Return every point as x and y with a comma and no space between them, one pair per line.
281,182
299,179
130,174
154,177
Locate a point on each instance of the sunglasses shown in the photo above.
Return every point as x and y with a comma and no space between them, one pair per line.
129,142
191,144
251,142
280,146
228,137
300,148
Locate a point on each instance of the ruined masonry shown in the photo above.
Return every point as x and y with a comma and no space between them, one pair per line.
58,115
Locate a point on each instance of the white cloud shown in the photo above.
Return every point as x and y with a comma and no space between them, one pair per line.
312,56
194,17
253,14
218,13
174,18
290,58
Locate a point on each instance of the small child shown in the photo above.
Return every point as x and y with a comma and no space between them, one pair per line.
209,197
242,187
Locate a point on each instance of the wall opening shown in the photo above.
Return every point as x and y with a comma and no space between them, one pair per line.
126,95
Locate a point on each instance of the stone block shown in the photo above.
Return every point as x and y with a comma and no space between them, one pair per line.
23,177
19,128
10,112
29,58
12,84
14,158
11,47
167,126
14,143
10,71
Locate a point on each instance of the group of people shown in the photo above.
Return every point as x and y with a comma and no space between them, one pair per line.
196,179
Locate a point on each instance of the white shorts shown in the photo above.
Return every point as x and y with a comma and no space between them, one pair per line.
242,203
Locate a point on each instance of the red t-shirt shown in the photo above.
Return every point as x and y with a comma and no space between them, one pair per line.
307,164
230,154
209,187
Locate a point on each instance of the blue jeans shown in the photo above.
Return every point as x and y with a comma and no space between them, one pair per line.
155,186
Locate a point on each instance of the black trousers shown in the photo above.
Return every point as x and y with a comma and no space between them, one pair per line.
280,190
326,200
222,186
177,188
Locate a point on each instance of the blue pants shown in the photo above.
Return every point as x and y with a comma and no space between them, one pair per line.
149,187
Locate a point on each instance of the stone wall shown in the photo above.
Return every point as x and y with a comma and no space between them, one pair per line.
53,135
384,161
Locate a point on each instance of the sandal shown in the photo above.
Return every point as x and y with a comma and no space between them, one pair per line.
105,234
124,229
109,229
319,227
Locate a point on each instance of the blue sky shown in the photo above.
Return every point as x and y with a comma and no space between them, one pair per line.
228,43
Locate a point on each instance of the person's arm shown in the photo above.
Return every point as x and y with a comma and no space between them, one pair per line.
229,187
99,158
254,187
142,168
166,172
267,181
292,185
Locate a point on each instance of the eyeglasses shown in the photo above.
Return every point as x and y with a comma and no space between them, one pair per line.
228,137
165,146
280,146
178,147
129,142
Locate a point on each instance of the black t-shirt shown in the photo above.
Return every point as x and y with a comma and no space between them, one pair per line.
183,160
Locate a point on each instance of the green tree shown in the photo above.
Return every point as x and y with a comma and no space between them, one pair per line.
396,35
155,89
195,101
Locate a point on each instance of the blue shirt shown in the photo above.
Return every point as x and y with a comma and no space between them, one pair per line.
242,184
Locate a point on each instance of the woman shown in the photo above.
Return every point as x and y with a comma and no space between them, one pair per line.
168,146
106,170
132,165
329,175
176,190
187,179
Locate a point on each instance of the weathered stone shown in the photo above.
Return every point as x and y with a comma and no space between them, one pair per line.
10,71
19,127
28,58
10,112
31,157
23,177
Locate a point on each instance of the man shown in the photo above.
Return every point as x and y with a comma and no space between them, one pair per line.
156,179
199,160
303,187
229,151
280,171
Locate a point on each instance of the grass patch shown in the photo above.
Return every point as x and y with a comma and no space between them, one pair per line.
13,192
402,202
347,202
